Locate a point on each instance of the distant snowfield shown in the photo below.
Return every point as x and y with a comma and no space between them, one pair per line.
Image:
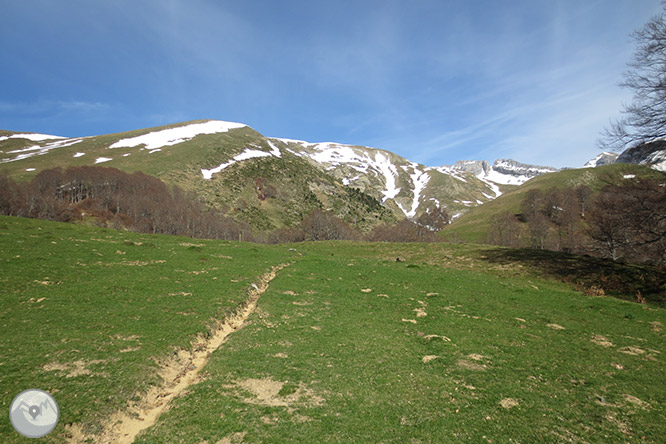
174,136
493,186
32,136
420,180
335,154
37,150
505,179
657,160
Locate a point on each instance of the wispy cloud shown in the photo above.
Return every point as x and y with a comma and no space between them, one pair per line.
53,106
433,81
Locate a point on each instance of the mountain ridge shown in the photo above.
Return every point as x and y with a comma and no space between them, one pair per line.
216,148
271,182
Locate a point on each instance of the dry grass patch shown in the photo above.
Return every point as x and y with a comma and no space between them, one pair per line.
602,340
508,403
268,392
76,368
634,351
470,365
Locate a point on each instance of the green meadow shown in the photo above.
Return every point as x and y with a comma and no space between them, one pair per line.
449,343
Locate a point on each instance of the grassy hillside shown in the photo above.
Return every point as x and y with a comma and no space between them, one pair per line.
296,186
473,226
86,312
454,343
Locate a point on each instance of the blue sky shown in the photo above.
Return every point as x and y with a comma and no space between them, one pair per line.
432,80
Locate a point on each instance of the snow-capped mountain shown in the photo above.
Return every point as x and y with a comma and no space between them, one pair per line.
652,154
503,171
410,186
218,160
604,158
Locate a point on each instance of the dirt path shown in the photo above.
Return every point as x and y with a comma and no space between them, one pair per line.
178,374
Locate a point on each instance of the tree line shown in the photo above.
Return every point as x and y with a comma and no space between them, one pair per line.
143,203
624,222
323,225
136,201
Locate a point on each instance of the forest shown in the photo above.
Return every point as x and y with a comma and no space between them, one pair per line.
623,221
142,203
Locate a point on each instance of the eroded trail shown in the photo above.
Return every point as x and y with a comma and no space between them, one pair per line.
177,374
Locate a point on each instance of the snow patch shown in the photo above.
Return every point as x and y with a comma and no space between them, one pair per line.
173,136
493,186
79,154
420,180
505,179
657,160
275,151
601,159
37,150
444,169
31,136
247,154
347,181
390,173
334,155
30,169
102,159
629,176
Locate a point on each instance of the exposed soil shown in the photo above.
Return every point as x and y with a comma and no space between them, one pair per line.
601,340
508,403
634,351
266,391
470,365
76,368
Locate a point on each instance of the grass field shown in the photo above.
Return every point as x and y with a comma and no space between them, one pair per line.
455,343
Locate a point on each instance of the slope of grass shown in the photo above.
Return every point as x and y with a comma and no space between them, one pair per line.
474,225
190,155
298,186
349,349
453,343
86,313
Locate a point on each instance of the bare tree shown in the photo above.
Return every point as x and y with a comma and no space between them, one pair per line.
434,219
504,230
532,204
561,208
8,194
324,225
583,193
644,119
630,221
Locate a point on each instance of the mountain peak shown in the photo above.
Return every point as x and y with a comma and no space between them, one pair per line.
604,158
